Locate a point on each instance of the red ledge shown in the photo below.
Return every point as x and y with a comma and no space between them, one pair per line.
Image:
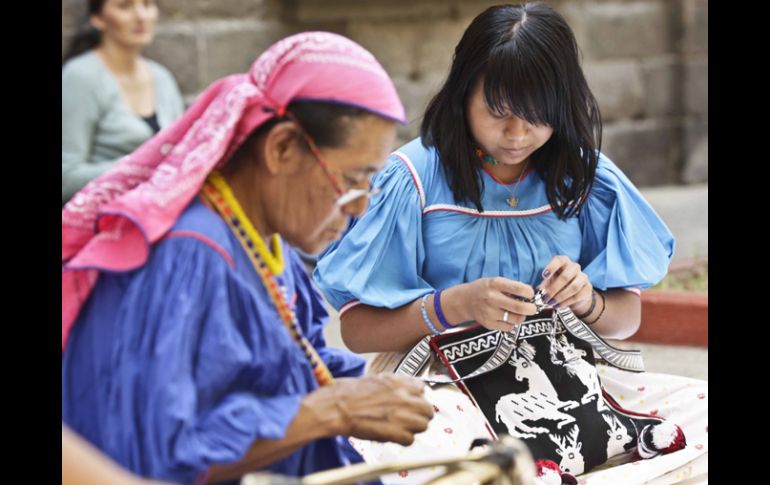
674,318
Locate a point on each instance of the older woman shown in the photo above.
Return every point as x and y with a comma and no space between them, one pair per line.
191,334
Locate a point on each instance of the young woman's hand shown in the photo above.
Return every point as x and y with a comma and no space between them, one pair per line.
566,285
496,303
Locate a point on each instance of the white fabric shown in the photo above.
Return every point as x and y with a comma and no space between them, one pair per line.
457,422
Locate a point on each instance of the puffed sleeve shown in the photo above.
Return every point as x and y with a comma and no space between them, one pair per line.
625,243
80,113
379,260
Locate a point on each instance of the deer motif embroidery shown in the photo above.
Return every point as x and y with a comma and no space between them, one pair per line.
569,450
541,402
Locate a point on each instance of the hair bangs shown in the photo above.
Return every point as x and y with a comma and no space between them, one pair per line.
518,81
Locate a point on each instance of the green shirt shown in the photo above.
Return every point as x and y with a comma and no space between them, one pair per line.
97,127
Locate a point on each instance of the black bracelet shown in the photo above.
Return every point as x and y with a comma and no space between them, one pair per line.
604,307
593,305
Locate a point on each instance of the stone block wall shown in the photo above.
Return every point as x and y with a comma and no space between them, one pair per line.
646,60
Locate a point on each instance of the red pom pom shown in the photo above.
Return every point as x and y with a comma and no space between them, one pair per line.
549,473
548,465
660,439
677,444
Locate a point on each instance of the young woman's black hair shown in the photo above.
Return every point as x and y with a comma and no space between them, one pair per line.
529,61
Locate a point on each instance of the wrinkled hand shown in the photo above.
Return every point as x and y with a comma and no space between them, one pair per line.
382,407
487,299
566,285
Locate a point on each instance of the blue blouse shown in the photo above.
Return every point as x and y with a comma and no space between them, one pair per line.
184,362
415,238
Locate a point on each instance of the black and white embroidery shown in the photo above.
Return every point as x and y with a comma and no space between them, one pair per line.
548,393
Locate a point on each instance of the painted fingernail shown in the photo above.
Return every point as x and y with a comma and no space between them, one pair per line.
546,273
551,302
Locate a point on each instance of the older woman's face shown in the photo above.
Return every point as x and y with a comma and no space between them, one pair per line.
315,220
129,23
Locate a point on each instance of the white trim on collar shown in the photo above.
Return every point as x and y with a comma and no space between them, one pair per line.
474,212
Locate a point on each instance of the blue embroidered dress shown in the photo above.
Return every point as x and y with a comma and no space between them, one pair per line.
415,238
184,362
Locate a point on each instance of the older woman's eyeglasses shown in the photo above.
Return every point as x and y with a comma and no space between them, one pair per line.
344,197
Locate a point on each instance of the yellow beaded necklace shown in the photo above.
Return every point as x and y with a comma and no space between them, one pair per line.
217,192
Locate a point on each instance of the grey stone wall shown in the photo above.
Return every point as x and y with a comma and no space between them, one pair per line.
646,60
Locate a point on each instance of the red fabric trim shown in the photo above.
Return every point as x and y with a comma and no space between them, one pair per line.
633,289
344,310
613,403
420,193
205,240
460,385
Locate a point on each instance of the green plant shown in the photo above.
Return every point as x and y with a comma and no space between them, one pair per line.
690,277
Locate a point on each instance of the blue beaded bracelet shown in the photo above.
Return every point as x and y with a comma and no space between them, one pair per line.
439,313
425,316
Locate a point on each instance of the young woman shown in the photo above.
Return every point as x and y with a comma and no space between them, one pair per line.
505,193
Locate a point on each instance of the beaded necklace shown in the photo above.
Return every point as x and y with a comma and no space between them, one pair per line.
512,201
217,192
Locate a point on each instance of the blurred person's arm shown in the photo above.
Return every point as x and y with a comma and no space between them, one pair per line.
82,464
169,103
80,114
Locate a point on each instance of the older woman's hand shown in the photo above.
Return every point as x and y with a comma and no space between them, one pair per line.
566,285
382,407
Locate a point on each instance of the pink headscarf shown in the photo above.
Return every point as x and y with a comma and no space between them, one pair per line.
112,222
